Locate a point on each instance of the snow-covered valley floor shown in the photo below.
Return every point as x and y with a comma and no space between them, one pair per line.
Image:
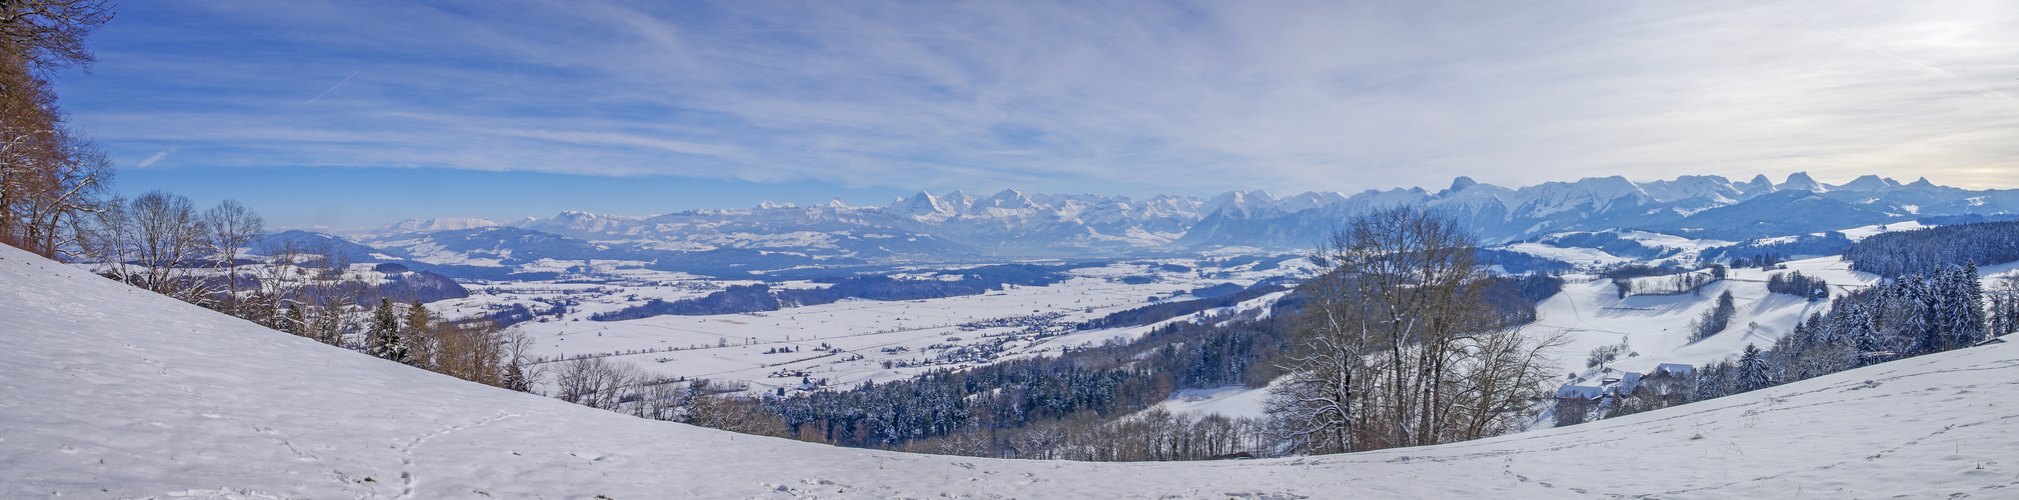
113,392
869,339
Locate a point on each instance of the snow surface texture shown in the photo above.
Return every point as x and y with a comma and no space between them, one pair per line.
112,392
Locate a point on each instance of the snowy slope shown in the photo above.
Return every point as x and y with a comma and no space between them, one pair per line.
111,392
1656,326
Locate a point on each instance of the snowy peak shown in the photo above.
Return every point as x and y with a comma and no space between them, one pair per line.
920,205
1003,202
1460,183
1758,186
578,224
1710,187
1869,184
1591,193
1310,200
436,224
1243,204
1800,181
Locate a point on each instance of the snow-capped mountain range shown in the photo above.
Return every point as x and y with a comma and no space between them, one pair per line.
1014,224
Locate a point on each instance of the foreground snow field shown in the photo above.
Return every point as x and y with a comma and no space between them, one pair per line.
113,392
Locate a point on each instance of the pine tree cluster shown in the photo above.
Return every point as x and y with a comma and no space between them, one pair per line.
1928,251
1796,284
1716,319
1910,316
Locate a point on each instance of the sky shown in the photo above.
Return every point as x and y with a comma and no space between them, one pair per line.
357,113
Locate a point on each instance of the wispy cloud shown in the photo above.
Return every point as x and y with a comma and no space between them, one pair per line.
1131,97
331,88
151,159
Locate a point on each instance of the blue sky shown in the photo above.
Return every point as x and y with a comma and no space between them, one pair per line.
358,113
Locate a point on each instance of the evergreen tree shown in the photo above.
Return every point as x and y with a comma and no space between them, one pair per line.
515,379
384,338
1712,382
1755,370
1715,320
1966,322
296,322
420,335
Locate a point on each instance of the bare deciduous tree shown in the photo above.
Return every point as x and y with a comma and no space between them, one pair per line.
48,177
471,350
151,242
594,382
230,227
279,277
46,35
326,305
1399,347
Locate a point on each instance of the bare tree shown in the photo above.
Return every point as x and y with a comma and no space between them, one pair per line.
109,242
230,227
594,382
658,399
474,351
63,191
327,303
31,146
1503,374
47,35
152,242
520,374
279,277
1314,404
1399,346
47,176
2004,298
714,405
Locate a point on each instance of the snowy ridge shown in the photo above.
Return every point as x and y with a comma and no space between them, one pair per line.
113,392
1010,223
436,224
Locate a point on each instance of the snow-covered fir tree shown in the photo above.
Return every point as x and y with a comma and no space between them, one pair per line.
384,339
1755,372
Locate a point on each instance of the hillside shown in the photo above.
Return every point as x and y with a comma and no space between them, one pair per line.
113,392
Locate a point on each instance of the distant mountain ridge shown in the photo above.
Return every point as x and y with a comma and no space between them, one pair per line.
1011,223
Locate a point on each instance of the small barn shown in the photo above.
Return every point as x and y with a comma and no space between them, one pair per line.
1584,392
1628,381
1677,370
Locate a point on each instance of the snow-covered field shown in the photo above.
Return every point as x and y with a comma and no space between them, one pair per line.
850,341
113,392
1656,327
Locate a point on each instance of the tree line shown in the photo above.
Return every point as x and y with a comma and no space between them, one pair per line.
1928,251
217,259
761,297
1087,403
